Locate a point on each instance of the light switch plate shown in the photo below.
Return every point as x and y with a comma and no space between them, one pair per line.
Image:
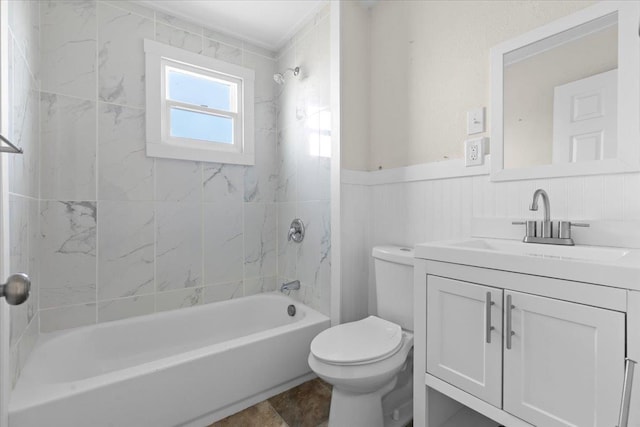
475,121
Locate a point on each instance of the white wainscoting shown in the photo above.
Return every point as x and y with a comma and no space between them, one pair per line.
403,206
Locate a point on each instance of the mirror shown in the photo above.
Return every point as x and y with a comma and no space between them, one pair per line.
558,94
560,97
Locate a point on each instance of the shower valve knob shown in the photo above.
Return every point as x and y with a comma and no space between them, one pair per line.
296,231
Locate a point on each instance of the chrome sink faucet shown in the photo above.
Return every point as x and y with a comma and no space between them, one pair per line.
546,230
543,231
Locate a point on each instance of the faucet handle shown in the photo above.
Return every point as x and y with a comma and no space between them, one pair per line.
564,228
580,224
530,227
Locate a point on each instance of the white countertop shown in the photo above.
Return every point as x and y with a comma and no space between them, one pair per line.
608,266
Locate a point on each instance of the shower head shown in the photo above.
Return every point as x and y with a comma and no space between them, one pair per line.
279,77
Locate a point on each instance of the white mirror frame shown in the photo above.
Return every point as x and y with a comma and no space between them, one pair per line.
628,155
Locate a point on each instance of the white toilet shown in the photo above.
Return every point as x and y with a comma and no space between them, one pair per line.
369,362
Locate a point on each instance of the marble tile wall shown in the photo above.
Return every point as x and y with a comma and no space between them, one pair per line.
122,234
23,172
304,155
414,212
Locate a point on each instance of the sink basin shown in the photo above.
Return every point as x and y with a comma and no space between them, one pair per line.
603,265
590,253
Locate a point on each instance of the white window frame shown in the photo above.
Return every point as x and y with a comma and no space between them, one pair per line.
159,59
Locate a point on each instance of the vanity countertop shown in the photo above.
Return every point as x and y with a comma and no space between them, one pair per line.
600,265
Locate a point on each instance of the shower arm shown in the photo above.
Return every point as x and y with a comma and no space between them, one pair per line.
295,71
279,77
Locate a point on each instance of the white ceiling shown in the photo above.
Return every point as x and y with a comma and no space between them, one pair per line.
266,23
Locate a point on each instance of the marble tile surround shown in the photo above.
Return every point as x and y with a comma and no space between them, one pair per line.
68,237
23,173
68,51
67,124
121,37
140,235
303,180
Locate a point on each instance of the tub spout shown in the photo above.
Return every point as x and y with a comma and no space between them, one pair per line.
290,286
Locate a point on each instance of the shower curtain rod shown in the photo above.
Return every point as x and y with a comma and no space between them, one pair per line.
11,148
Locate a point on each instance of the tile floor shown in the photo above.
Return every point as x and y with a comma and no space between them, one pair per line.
306,405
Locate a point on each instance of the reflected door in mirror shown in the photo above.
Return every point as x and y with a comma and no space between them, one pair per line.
585,119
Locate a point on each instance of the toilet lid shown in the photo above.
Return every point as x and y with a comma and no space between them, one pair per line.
357,342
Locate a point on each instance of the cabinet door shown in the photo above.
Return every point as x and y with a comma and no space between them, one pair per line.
565,366
459,350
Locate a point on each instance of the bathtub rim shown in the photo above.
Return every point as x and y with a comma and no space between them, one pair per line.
23,397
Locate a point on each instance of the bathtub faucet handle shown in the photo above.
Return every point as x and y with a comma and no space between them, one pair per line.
296,231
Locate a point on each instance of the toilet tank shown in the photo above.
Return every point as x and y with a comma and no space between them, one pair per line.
394,284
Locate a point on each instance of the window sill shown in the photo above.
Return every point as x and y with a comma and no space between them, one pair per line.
169,151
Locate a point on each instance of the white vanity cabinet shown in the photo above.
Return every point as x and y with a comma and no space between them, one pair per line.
564,364
550,362
521,349
461,350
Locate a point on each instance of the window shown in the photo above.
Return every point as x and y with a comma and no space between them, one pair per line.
198,108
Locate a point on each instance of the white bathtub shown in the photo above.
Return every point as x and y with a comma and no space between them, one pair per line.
185,367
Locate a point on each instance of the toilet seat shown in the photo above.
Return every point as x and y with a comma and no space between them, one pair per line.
356,343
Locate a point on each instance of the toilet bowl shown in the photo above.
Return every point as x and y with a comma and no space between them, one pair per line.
362,359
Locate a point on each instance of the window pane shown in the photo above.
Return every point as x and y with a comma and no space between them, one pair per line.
205,127
201,91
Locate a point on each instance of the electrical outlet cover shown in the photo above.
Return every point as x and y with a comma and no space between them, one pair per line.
474,152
